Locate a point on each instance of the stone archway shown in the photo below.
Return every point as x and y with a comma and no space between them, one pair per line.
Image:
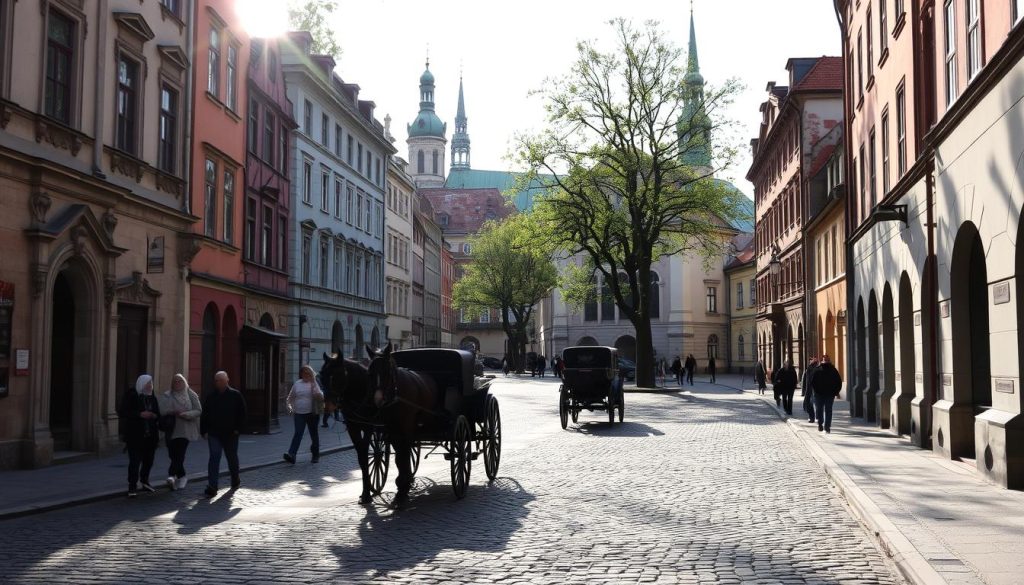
360,346
469,343
72,353
230,351
886,414
906,387
375,338
208,353
338,338
861,369
872,391
587,341
830,337
626,345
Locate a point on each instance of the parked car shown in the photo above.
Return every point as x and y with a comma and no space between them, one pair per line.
490,362
627,369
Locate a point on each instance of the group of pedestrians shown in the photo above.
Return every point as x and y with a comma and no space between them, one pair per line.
820,387
219,418
683,370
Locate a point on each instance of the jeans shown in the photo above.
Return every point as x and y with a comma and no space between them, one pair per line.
712,376
679,377
229,447
689,376
809,405
823,408
327,415
787,401
302,422
176,449
140,454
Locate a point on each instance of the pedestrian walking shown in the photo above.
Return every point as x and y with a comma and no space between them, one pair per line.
785,384
761,377
305,401
691,366
221,423
711,368
677,370
662,366
180,410
806,388
541,363
506,365
827,384
140,413
775,385
559,367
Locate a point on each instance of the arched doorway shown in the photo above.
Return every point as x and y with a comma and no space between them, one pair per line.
798,358
469,343
972,379
72,345
62,363
713,347
337,338
922,409
861,350
789,343
587,341
375,337
830,337
267,322
230,350
886,414
208,358
906,386
871,396
626,346
357,351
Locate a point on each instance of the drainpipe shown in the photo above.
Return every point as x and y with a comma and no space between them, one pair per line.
851,201
186,166
102,16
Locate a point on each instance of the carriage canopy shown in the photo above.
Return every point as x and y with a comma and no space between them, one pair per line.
591,358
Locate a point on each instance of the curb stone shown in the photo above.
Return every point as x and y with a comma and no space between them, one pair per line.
908,560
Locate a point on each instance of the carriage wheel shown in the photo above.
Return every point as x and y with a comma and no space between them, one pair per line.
622,405
460,447
492,438
575,414
611,411
379,456
414,456
563,407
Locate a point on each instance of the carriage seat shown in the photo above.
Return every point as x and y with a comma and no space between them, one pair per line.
451,369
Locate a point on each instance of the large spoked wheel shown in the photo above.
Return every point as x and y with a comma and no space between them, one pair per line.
622,405
460,447
492,438
379,456
611,411
563,406
414,456
575,411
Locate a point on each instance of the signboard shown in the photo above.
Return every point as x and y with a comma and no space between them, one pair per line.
21,359
155,256
1004,386
1001,293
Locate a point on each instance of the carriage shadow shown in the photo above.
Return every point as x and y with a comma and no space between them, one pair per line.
431,523
626,428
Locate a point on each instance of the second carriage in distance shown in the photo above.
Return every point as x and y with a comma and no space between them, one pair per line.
591,381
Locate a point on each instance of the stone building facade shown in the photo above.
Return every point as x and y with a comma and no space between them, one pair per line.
399,210
741,299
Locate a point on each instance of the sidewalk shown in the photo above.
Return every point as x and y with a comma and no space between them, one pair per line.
937,519
37,490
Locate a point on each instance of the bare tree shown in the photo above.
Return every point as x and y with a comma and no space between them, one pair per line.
314,16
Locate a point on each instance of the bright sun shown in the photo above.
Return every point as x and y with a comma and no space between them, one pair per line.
263,18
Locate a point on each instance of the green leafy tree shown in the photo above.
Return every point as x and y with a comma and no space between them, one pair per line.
510,269
314,16
629,171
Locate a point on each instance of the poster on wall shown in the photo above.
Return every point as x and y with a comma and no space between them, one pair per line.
155,256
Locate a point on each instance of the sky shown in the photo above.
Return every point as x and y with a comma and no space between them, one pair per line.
507,49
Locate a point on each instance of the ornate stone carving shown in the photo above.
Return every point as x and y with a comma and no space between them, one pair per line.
109,290
5,115
38,279
109,223
58,136
187,251
39,204
78,236
169,184
135,289
126,165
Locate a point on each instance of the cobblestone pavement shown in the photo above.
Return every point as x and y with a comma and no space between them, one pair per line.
707,486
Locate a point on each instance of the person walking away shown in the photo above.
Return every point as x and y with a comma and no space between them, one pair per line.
776,387
221,424
691,367
711,368
806,388
140,413
541,364
182,406
761,377
305,400
827,383
677,371
787,381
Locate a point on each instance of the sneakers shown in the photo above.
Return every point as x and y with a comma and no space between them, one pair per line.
210,491
289,458
147,487
132,493
172,483
181,482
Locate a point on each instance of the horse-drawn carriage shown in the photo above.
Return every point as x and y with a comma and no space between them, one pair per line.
591,381
411,400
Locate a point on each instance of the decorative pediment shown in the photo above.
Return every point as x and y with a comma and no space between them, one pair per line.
134,24
174,55
82,226
135,289
308,224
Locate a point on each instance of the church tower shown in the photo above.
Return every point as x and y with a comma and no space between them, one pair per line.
427,142
694,125
460,140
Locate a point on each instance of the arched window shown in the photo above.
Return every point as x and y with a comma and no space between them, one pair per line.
267,322
607,302
590,306
653,299
712,346
420,162
435,162
741,348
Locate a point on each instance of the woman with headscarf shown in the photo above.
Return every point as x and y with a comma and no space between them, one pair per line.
305,401
140,413
182,406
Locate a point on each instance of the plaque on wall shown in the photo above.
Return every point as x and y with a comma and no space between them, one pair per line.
899,376
917,319
947,379
155,256
1004,386
895,324
1001,293
919,378
944,309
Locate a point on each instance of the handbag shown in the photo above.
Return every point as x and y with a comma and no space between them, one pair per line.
166,423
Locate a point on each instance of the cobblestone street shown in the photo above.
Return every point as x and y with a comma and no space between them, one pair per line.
705,486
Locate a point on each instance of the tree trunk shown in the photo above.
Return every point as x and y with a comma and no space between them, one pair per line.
644,354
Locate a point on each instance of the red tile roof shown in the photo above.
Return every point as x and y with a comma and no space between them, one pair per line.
467,209
821,159
827,74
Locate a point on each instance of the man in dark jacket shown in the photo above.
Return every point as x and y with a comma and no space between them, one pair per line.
785,385
827,384
677,370
221,423
806,390
691,367
711,368
761,377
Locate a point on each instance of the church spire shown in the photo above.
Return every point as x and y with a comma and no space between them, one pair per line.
460,140
694,127
693,75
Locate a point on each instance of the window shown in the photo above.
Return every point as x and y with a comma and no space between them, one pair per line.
338,256
307,182
307,252
872,168
1018,10
307,117
950,47
325,255
337,140
282,241
349,151
272,65
741,349
213,65
60,61
359,158
435,165
210,198
269,127
172,6
753,295
712,346
883,26
368,226
282,151
229,206
359,210
901,130
973,38
232,89
607,302
871,47
338,208
127,104
168,155
739,295
860,65
351,197
325,125
863,180
357,284
250,229
885,152
590,306
349,262
712,299
325,191
254,126
267,239
419,162
467,248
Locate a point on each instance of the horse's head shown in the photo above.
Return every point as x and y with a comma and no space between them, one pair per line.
382,375
333,374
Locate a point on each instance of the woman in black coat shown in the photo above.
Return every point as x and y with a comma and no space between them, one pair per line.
785,385
140,415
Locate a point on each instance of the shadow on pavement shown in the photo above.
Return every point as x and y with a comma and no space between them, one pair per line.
626,428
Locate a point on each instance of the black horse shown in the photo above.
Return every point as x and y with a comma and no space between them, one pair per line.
403,398
348,382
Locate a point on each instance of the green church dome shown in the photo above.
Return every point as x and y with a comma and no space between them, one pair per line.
427,78
427,124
